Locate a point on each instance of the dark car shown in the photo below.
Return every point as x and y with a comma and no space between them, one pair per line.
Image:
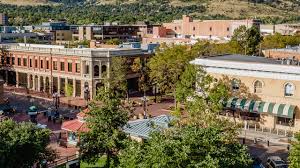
257,163
276,162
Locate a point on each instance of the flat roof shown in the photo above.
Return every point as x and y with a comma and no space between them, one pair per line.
243,58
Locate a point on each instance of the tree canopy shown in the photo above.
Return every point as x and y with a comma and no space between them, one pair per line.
105,135
23,144
245,40
294,155
186,147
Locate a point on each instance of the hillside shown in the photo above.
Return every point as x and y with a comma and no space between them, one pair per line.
130,11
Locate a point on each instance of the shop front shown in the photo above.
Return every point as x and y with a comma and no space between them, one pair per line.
262,114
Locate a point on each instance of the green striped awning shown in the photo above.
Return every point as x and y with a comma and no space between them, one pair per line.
281,110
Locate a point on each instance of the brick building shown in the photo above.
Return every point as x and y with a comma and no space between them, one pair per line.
190,29
283,53
49,68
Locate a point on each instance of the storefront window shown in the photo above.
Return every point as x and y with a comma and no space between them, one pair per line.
250,116
285,121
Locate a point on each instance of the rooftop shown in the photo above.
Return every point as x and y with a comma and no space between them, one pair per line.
294,49
253,66
143,127
82,52
244,58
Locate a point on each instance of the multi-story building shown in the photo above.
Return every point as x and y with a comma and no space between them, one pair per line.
283,53
49,68
3,19
284,29
109,31
187,28
272,84
60,31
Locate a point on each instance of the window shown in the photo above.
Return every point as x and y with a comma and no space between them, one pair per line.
103,69
257,86
19,61
210,29
69,66
36,63
55,65
227,28
62,66
289,89
235,84
285,121
13,60
30,62
175,28
7,60
24,61
77,66
194,28
87,69
47,64
42,64
96,71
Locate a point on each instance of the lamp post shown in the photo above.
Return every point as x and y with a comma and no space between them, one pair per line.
56,102
86,92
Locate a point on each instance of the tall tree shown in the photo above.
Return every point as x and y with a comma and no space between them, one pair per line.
167,66
105,135
294,156
246,41
116,79
23,144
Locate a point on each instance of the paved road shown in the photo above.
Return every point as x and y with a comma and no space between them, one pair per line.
21,103
262,151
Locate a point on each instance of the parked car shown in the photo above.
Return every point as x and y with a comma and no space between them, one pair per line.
257,163
276,162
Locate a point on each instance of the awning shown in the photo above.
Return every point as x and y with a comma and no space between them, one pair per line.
277,109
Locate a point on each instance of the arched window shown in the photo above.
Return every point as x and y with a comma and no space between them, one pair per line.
96,71
257,86
235,84
289,89
103,69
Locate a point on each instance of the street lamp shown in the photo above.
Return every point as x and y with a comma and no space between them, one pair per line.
86,94
56,102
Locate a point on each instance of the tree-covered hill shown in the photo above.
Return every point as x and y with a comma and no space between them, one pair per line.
155,11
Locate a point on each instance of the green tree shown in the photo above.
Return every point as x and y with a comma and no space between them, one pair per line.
186,85
23,144
113,41
279,41
69,90
186,147
245,40
105,135
167,66
294,156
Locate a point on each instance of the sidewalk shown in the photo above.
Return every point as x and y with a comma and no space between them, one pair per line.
266,136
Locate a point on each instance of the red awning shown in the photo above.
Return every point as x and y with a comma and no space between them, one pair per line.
74,126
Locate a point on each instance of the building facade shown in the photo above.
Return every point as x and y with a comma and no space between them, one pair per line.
283,53
3,19
104,32
273,84
204,29
49,68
